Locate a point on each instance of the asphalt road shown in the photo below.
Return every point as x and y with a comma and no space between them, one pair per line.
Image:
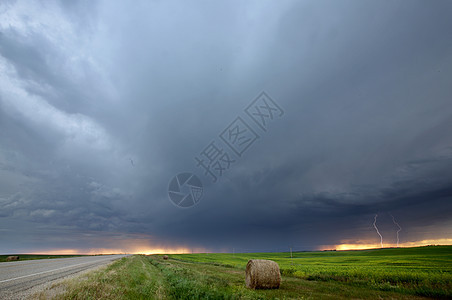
17,277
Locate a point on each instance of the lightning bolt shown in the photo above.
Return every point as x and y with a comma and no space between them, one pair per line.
375,226
400,229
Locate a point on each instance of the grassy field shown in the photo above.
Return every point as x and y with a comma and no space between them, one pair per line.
424,271
374,274
35,256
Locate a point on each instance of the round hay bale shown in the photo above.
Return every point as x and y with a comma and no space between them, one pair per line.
12,258
262,274
165,257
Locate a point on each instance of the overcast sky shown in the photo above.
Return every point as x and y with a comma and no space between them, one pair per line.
102,103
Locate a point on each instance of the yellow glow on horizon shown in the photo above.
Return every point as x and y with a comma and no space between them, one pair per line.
164,251
117,243
363,245
356,246
427,242
146,251
139,248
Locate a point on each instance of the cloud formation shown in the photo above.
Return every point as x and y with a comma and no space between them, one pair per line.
87,88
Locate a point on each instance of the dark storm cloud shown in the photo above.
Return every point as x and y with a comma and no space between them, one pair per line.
86,89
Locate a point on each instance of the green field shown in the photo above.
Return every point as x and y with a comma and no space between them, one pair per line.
35,256
409,273
424,271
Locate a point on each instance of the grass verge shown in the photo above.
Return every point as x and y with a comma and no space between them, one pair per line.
131,277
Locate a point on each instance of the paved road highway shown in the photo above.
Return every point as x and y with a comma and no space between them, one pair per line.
17,277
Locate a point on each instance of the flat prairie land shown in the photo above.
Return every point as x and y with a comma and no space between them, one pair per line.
403,273
35,256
